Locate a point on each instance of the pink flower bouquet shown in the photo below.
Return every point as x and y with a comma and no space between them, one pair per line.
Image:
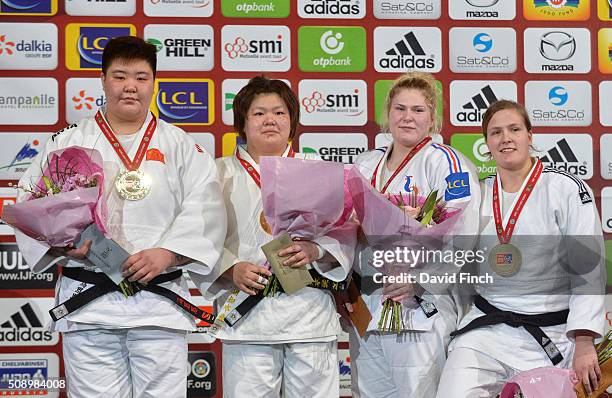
65,200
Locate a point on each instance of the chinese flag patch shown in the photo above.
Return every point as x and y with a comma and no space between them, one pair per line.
155,154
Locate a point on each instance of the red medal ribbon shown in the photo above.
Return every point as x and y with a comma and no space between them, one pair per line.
410,155
112,139
504,235
251,170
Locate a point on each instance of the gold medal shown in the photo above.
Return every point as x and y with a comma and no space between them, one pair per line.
133,184
264,224
505,260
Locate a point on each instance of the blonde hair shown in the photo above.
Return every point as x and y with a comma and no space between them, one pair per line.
426,84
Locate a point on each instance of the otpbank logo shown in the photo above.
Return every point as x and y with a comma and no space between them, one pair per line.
331,49
28,7
604,10
605,50
255,8
556,10
184,101
85,43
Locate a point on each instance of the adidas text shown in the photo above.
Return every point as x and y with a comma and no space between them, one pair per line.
407,62
25,335
332,8
475,115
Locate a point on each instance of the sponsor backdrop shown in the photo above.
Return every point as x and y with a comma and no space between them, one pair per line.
339,56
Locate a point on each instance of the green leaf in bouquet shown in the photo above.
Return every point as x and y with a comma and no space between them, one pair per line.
429,207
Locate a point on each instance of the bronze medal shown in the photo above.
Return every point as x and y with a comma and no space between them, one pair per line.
133,184
505,259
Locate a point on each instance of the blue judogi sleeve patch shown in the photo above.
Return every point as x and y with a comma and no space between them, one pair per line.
457,186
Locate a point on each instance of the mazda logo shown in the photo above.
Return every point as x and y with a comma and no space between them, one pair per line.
557,46
484,3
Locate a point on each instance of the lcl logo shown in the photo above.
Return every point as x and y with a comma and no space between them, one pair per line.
557,46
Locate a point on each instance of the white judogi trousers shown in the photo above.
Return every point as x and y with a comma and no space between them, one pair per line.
146,362
290,370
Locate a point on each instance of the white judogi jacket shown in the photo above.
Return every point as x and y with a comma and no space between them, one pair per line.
428,170
307,315
183,213
560,205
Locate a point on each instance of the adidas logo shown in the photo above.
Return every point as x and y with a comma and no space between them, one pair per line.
407,53
477,105
557,154
24,326
404,46
561,157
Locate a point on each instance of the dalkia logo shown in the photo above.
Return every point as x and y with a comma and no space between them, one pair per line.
561,157
334,8
7,47
31,48
82,101
24,326
475,107
407,53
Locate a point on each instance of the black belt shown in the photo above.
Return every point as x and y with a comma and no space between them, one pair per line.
532,323
103,285
367,283
319,282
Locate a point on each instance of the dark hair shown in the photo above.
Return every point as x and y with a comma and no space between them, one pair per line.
503,105
129,48
262,85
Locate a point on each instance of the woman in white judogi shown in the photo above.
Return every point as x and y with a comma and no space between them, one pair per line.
286,344
409,364
136,346
550,268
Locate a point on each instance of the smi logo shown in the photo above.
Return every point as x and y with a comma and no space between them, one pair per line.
240,46
342,101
